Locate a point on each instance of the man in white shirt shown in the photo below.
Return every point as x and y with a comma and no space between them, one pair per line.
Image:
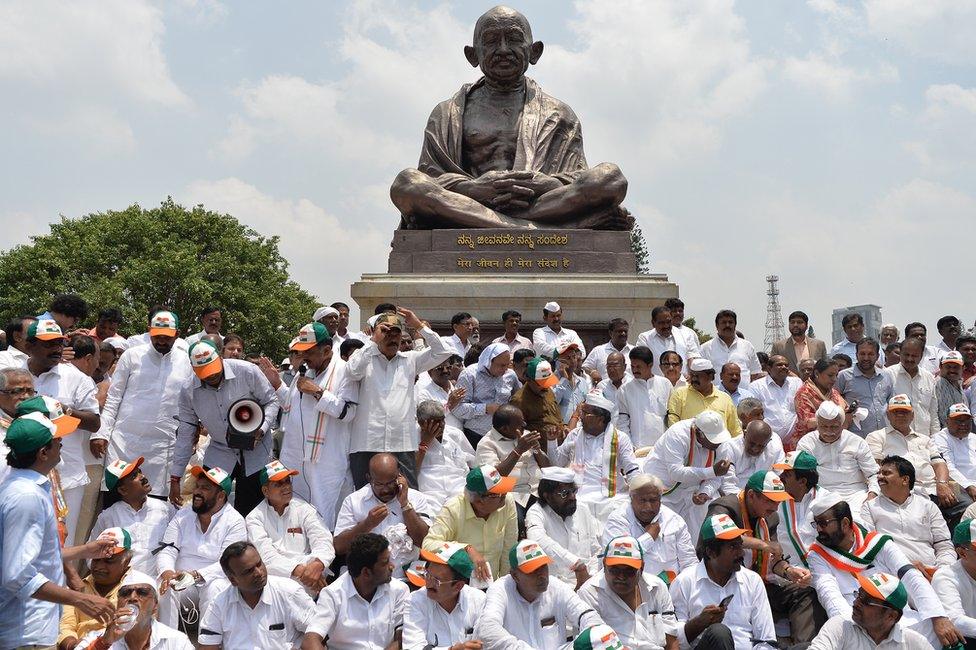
853,325
642,402
956,583
912,520
663,535
257,610
957,446
635,603
908,378
899,439
845,464
777,391
524,610
545,340
677,309
601,457
875,619
342,332
438,386
727,347
610,387
386,506
15,356
139,418
720,604
458,343
289,535
662,338
444,612
570,536
795,532
595,364
364,608
145,519
931,355
693,460
211,320
386,417
729,380
444,456
755,450
513,451
511,320
193,542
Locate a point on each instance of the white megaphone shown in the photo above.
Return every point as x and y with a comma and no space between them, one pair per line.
244,420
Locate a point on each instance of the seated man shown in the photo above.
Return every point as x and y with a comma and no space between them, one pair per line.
795,533
756,449
364,607
787,585
601,457
750,409
875,619
956,583
536,401
662,534
844,549
570,536
513,451
573,384
720,604
193,542
776,392
483,519
524,610
288,533
145,519
439,387
444,456
729,380
899,439
693,460
958,448
385,506
104,580
137,589
913,521
844,461
444,612
257,610
635,603
642,401
700,395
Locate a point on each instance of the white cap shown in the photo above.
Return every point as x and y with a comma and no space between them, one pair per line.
552,306
117,342
322,312
596,399
558,474
133,577
699,364
825,501
371,321
829,411
712,426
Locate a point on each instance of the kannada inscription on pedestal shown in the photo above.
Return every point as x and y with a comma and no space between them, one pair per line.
490,250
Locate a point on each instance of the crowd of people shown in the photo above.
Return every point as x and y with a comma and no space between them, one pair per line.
396,488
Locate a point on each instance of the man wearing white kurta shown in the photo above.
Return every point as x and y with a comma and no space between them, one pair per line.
777,391
595,364
795,532
693,459
139,418
445,455
642,402
757,449
956,583
546,340
663,338
957,444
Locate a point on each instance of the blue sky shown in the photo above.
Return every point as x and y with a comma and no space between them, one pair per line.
827,142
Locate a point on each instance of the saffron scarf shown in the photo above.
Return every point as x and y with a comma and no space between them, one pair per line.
787,514
690,459
866,548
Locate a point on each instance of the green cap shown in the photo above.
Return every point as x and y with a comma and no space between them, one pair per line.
598,637
44,330
311,335
487,480
29,433
769,484
884,587
453,555
964,534
802,460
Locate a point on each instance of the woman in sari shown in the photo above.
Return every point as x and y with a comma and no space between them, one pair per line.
814,392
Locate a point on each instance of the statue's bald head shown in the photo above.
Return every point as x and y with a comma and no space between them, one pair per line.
503,47
501,15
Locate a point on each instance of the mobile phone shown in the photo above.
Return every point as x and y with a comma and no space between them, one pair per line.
725,601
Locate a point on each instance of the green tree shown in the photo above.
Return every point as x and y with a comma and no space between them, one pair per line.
702,336
638,245
185,258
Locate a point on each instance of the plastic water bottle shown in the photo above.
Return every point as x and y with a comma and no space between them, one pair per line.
130,620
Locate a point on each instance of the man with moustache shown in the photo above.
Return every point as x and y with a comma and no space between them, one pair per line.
16,386
440,387
642,401
616,366
864,383
595,364
798,346
727,346
948,386
662,338
795,532
511,321
677,308
701,394
777,391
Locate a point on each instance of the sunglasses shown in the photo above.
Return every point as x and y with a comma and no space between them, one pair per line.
141,592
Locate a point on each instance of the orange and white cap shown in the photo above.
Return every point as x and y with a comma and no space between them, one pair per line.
204,359
164,323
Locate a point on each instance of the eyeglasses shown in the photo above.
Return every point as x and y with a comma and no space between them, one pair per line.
16,392
491,496
564,492
436,582
141,592
822,524
866,599
389,484
670,364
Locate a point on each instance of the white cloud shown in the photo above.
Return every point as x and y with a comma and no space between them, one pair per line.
947,130
827,76
204,13
937,29
97,130
325,255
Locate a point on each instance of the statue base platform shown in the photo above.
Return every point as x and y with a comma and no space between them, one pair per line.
588,300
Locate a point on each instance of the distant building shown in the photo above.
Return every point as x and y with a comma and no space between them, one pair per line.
872,321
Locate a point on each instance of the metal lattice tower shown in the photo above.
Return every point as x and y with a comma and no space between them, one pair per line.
774,317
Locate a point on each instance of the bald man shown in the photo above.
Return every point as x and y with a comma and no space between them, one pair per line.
755,450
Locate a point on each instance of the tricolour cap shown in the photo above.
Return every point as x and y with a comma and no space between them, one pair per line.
539,371
416,573
598,637
720,527
30,432
275,471
964,534
487,480
119,469
712,426
551,306
44,330
798,460
770,484
952,357
133,578
527,556
311,335
52,410
204,359
900,402
884,587
566,346
453,555
959,411
624,550
700,364
121,537
164,323
215,475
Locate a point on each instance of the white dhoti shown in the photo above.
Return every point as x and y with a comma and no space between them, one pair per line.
693,515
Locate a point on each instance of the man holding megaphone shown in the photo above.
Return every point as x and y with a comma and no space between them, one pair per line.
237,405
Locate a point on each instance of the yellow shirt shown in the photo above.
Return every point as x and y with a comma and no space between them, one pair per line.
686,402
493,537
75,622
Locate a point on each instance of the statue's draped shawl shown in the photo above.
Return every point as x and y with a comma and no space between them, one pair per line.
550,138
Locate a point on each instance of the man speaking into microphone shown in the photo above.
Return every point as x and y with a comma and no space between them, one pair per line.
207,400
